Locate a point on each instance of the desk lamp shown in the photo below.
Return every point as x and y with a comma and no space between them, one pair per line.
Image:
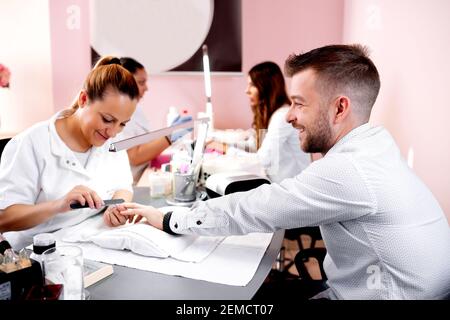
152,135
207,77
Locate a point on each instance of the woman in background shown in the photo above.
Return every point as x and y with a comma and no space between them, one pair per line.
277,142
141,155
65,159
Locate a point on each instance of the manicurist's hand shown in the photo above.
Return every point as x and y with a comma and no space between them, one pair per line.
81,194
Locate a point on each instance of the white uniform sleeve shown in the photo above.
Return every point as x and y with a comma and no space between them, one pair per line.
129,131
123,179
233,151
19,173
327,191
277,134
137,125
242,147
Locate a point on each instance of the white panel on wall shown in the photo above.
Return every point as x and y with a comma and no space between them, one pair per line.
25,50
159,34
25,31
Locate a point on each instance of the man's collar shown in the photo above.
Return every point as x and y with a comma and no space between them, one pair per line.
350,135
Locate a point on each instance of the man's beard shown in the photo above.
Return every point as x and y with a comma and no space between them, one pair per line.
318,136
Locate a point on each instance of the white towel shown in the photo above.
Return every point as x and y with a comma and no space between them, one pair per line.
142,239
233,262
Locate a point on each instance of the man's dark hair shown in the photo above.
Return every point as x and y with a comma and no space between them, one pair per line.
341,69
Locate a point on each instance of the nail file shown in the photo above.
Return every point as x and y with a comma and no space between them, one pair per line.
77,205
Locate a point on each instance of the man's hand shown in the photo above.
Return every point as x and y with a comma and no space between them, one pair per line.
153,216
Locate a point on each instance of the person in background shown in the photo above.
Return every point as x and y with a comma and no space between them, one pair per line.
269,102
64,160
381,225
141,155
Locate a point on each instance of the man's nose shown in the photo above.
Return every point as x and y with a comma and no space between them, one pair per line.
290,117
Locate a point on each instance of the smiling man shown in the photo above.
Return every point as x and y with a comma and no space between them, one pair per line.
381,225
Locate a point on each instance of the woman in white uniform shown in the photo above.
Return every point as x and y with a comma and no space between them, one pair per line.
277,142
141,155
65,160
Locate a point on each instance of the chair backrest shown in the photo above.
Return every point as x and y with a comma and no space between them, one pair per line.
3,143
303,256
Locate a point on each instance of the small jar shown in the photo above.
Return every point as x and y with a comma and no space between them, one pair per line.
42,242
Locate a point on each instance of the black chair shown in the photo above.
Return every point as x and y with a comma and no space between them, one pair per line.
284,264
303,256
3,143
295,235
282,285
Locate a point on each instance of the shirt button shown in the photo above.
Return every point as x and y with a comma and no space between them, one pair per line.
199,222
176,225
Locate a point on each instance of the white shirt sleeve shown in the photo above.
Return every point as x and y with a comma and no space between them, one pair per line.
322,194
19,173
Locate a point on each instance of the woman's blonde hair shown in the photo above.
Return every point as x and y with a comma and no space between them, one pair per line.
107,74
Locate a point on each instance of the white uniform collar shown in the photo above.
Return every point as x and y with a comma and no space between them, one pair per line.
67,157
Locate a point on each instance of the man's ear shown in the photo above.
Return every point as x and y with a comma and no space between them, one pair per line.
342,108
82,99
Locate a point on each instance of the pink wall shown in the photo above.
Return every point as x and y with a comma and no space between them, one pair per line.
69,33
271,31
410,46
409,42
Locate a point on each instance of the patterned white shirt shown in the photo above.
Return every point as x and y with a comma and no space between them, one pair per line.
385,233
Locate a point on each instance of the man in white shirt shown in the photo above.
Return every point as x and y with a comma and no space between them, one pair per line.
385,233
